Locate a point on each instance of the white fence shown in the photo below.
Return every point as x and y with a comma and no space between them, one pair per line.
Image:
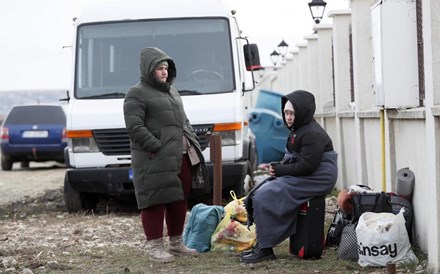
374,133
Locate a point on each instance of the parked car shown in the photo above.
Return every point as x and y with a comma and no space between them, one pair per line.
33,133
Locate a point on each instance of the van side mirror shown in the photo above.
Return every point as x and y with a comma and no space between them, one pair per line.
67,99
252,57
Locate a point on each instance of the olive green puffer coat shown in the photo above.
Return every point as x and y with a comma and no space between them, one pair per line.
156,121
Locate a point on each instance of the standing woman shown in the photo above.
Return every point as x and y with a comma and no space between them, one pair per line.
160,137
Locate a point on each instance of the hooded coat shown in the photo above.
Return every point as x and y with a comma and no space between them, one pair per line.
156,122
306,137
308,169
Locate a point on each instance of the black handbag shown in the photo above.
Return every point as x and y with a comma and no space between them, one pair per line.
340,220
370,202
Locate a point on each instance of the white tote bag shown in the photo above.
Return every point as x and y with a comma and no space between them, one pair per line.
382,238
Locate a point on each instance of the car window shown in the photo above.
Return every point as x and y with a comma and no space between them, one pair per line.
36,114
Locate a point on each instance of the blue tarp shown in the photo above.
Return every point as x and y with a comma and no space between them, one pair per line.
267,124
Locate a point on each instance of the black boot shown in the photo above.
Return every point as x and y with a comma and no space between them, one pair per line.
248,251
258,254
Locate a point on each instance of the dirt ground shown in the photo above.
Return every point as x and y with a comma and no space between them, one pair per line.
30,182
37,235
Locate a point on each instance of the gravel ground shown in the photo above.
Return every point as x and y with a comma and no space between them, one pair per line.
20,182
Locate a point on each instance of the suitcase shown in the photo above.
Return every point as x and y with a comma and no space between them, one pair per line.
308,242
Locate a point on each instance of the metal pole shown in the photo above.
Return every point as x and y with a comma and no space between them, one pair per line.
216,158
391,268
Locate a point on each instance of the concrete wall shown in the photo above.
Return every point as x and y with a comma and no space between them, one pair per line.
406,137
431,37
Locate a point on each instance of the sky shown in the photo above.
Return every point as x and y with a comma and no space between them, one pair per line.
36,36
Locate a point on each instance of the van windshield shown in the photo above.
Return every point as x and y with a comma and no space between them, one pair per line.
107,55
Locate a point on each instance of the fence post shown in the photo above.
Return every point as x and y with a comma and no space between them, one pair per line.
215,144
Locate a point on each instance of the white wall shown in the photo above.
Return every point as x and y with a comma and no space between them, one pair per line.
431,37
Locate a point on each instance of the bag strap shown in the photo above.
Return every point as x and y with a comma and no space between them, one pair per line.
233,195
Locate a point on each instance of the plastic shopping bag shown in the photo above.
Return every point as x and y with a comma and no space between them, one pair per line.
382,238
236,208
231,234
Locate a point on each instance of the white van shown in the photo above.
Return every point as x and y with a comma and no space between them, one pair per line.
205,42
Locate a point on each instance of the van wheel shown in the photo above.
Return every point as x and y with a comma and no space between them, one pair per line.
6,164
76,201
243,188
89,200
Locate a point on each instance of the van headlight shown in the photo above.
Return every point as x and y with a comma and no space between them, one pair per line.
82,141
229,132
83,145
230,138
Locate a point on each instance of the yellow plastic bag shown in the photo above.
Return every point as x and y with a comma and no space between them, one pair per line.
231,234
236,208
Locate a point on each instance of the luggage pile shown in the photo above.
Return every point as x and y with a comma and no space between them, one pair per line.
372,228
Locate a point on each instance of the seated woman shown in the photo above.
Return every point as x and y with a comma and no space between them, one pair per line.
308,169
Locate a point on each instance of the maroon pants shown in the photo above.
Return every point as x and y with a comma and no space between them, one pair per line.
174,213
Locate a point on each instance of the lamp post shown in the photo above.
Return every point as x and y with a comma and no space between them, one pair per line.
282,47
317,8
274,56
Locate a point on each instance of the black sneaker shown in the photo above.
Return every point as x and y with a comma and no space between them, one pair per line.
258,255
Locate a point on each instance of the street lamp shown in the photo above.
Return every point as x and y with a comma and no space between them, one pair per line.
317,8
282,47
274,56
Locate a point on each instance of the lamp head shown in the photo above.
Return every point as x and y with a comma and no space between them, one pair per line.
282,47
317,8
274,56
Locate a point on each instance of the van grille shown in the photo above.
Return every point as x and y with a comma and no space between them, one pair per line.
112,141
201,131
116,141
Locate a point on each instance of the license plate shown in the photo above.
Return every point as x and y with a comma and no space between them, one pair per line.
130,174
35,134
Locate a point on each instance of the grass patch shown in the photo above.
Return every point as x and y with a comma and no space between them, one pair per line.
135,260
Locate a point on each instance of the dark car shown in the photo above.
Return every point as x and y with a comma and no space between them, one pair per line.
33,133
